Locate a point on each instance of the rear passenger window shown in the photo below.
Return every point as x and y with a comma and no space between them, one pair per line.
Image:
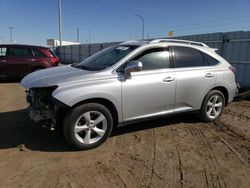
209,60
3,51
20,52
187,57
52,54
37,53
155,59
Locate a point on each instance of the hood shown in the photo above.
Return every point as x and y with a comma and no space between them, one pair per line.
54,76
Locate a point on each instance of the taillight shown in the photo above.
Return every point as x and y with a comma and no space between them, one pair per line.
55,59
233,69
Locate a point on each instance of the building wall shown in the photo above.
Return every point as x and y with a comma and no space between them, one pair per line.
233,46
55,43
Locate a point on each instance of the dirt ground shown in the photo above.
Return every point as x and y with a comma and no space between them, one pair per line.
172,152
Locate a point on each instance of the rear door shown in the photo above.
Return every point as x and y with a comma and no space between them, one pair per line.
194,78
21,61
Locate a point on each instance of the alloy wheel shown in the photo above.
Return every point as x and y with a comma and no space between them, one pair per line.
90,127
214,106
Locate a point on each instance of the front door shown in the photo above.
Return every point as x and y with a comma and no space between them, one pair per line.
150,92
3,61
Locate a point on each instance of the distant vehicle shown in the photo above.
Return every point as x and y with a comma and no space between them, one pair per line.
130,82
19,60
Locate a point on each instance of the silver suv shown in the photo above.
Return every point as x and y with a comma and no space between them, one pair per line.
129,82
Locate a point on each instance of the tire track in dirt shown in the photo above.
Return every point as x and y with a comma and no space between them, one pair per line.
178,176
153,160
241,148
122,163
180,168
111,175
224,145
230,129
211,166
139,162
143,157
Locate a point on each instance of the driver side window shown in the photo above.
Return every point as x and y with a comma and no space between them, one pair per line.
157,58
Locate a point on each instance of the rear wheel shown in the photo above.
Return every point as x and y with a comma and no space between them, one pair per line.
87,126
212,106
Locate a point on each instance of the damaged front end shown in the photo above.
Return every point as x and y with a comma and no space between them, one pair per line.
43,107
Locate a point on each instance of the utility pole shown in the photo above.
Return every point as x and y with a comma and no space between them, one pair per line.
89,37
142,19
60,20
77,34
83,41
11,28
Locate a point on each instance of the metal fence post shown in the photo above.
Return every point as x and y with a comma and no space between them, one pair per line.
71,54
80,57
63,47
222,44
89,50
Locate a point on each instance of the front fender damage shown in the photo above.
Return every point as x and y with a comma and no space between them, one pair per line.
43,108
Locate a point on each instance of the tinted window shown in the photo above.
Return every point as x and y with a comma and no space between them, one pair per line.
20,52
106,58
52,53
155,59
3,51
37,53
187,57
209,60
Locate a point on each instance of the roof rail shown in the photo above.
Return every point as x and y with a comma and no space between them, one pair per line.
130,41
179,41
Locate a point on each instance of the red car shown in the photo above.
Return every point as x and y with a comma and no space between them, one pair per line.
20,60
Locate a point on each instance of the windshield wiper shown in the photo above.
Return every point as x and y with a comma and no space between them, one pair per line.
82,67
85,68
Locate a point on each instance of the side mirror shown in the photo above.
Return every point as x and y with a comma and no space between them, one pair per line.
132,66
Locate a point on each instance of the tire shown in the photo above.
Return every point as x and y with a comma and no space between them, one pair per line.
37,69
87,126
212,106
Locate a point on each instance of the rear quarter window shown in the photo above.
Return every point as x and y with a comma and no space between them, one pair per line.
210,60
47,52
52,53
187,57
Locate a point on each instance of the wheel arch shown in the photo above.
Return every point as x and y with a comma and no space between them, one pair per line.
223,90
105,102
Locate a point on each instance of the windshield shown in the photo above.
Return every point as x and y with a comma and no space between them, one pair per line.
105,58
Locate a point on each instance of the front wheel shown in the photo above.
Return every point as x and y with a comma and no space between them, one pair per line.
212,106
87,126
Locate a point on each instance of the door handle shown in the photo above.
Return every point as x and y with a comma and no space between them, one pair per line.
168,79
209,75
3,60
31,60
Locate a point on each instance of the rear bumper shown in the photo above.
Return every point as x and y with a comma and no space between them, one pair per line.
238,85
232,92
